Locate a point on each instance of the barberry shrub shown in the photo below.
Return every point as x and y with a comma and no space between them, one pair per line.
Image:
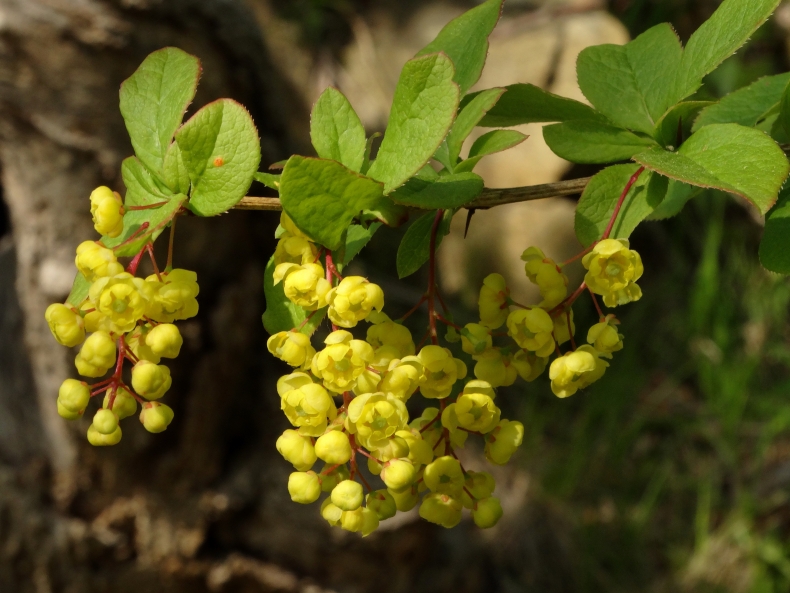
348,399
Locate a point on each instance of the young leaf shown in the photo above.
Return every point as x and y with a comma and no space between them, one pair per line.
133,220
449,191
141,186
415,247
336,131
590,142
425,103
322,197
465,41
718,38
526,104
676,196
631,84
746,106
221,152
268,179
154,99
175,172
496,141
729,157
468,118
678,119
281,314
775,245
79,290
598,201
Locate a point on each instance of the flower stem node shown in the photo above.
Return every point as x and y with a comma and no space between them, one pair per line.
503,441
73,398
333,447
150,380
97,355
576,370
65,324
107,211
487,512
165,340
297,450
124,405
347,495
382,503
304,487
156,417
612,271
493,301
398,474
441,509
98,439
353,300
440,371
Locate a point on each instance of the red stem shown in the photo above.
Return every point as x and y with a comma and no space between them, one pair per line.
580,254
330,267
447,322
134,235
133,265
432,277
620,201
145,207
149,247
569,301
595,302
170,242
414,308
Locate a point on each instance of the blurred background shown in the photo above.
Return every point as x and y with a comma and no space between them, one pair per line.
670,474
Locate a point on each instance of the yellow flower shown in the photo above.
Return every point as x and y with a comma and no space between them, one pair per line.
353,300
307,405
107,211
290,228
95,261
503,441
444,475
480,485
136,341
164,340
374,418
440,371
495,368
381,503
420,452
347,495
303,285
432,435
532,330
124,404
304,487
402,378
604,337
292,347
487,512
156,417
98,439
493,300
342,361
474,409
561,332
120,299
528,365
151,380
294,250
385,332
297,450
475,339
398,474
73,397
96,356
441,509
544,272
612,272
174,297
576,370
65,324
333,447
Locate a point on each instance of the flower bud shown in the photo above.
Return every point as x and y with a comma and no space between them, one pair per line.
304,487
66,413
156,417
107,211
347,495
381,503
352,520
164,340
74,395
576,370
296,449
370,522
105,421
503,441
124,405
94,261
544,272
398,474
406,499
441,509
331,513
493,300
487,512
97,355
66,325
150,380
98,439
604,337
333,447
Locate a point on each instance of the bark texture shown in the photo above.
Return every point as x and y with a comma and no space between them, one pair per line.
203,506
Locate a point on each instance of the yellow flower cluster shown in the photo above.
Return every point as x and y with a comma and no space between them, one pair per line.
122,318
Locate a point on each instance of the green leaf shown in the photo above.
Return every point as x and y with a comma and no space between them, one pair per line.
678,118
281,314
450,191
748,105
775,245
718,38
415,247
425,103
589,142
356,238
782,123
676,196
599,198
468,118
79,290
496,141
175,172
133,220
154,99
336,131
270,180
386,212
141,186
221,151
526,104
729,157
322,197
465,41
630,84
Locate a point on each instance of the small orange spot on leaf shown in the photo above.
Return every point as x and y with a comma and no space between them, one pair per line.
219,161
